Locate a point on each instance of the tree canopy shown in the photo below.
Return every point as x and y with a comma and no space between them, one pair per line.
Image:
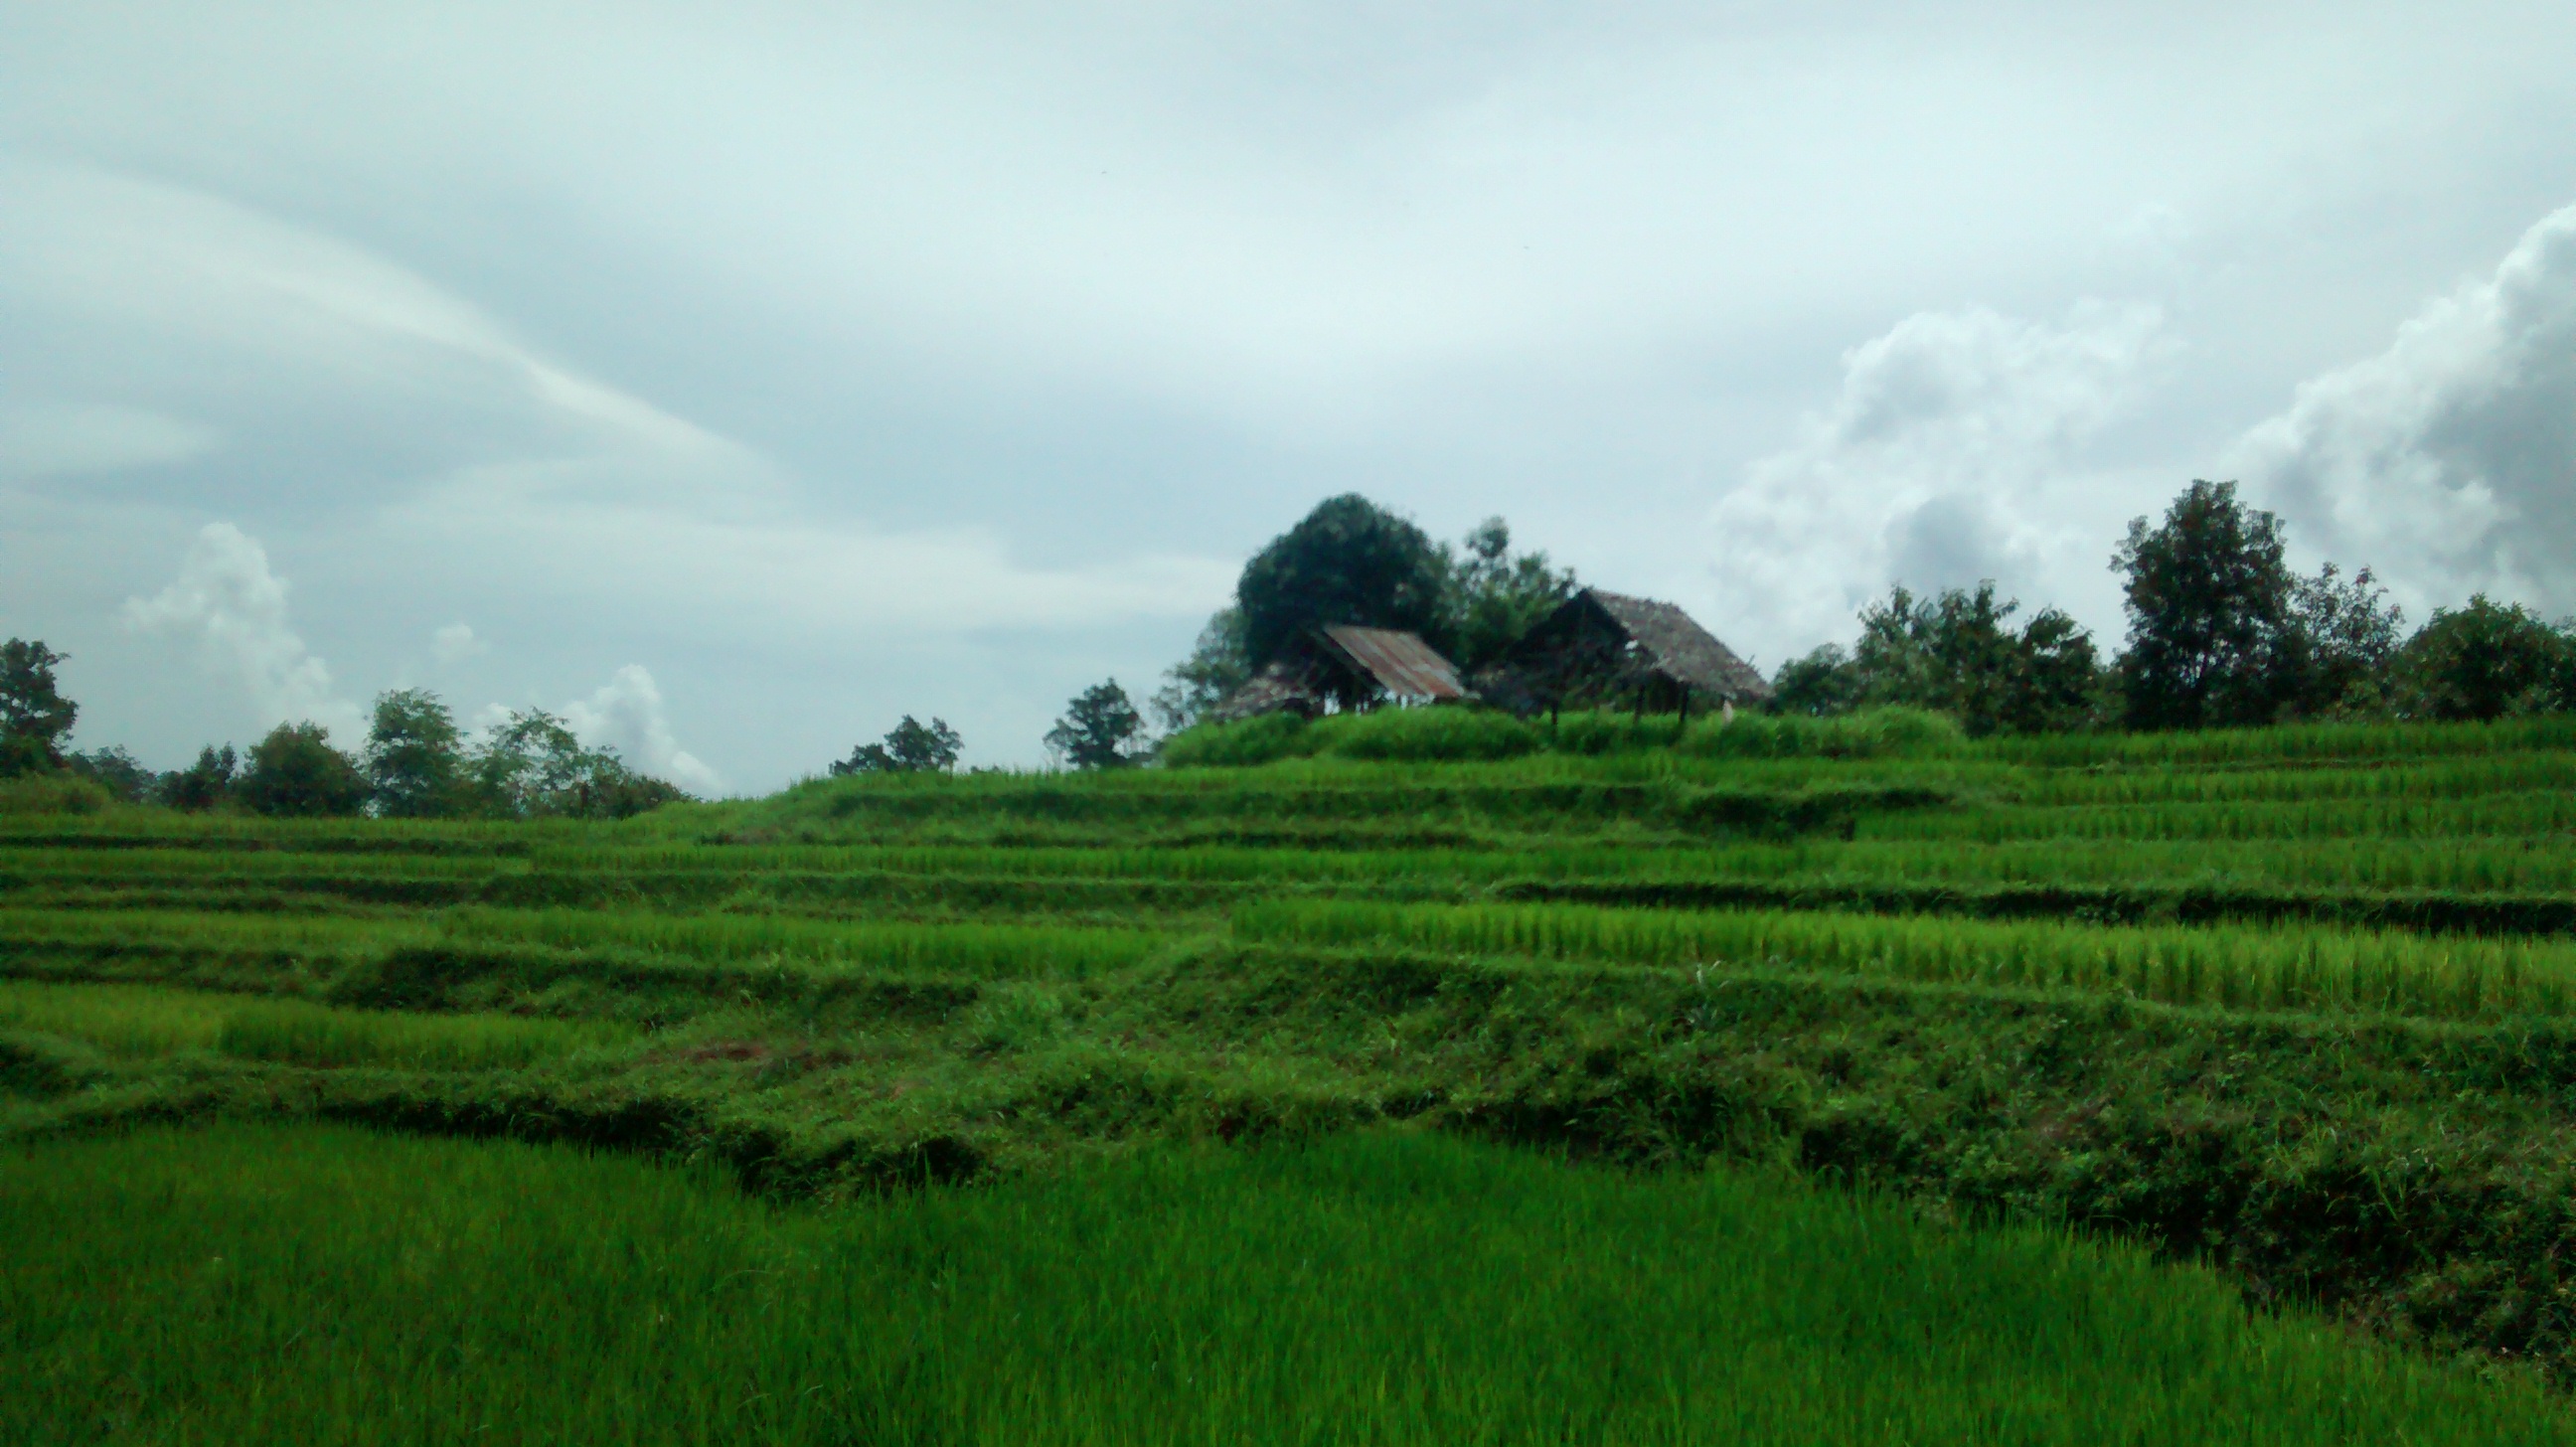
34,715
1348,561
2211,636
1100,729
910,747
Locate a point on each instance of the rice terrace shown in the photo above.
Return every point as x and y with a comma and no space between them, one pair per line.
807,725
1775,1080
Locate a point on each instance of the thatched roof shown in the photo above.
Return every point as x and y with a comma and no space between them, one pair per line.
1674,645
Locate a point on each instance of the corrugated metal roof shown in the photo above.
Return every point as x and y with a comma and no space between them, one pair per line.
1402,663
1280,686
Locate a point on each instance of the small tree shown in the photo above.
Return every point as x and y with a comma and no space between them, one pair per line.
2348,634
1348,561
205,784
910,747
34,716
1823,682
2485,661
118,772
1217,666
295,772
533,766
2212,640
1098,729
1491,595
1957,652
415,759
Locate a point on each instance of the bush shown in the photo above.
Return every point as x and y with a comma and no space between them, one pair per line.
52,794
1263,740
1611,732
295,772
1442,732
1871,733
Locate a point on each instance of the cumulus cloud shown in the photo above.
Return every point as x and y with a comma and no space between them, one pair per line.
228,600
1949,455
626,715
455,643
2448,461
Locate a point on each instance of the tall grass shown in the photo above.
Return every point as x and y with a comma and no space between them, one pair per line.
2287,968
247,1285
144,1021
996,950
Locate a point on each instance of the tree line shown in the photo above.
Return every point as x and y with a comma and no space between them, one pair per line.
2222,633
417,762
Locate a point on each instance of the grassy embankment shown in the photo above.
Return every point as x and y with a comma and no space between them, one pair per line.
257,1284
2296,1003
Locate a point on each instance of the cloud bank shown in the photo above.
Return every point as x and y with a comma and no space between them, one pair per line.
1954,452
626,715
228,601
2448,461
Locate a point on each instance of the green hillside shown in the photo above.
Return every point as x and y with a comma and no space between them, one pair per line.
2298,1005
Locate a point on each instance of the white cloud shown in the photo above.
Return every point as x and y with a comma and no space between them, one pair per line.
626,715
1954,452
455,643
228,600
2447,462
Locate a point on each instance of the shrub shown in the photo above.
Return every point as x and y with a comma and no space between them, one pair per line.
1263,740
1443,733
1891,732
52,794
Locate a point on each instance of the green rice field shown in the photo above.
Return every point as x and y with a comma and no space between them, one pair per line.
1389,1084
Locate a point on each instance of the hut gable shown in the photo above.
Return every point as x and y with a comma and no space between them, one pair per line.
1349,665
1401,663
1600,646
1673,644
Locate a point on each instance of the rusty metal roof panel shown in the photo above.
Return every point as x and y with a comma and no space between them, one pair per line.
1402,663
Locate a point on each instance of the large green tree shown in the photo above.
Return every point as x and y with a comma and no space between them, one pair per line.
1218,665
532,765
1958,651
2485,661
2212,635
1348,561
910,747
34,715
295,772
415,759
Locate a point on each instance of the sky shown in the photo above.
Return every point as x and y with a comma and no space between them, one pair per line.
734,380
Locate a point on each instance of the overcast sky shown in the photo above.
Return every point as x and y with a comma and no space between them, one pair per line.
736,378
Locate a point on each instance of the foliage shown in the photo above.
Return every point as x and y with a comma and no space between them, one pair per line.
2348,635
295,772
1817,684
206,784
2485,661
1348,561
1491,595
910,747
34,716
121,774
2212,635
1216,667
415,759
1887,731
1957,653
1100,729
63,793
1263,740
532,766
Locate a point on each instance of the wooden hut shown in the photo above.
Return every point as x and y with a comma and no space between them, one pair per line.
1348,667
1601,648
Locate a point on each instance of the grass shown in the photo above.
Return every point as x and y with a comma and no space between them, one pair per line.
2255,968
257,1285
151,1021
